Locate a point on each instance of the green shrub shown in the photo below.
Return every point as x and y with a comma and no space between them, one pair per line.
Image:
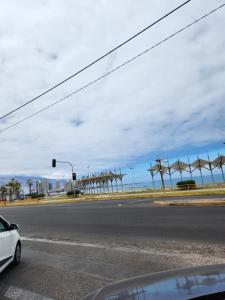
71,193
35,195
186,185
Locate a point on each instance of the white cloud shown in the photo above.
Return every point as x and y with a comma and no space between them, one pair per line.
169,99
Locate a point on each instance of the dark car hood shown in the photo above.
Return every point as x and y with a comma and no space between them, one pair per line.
176,284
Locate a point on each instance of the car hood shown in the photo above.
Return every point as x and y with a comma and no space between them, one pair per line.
176,284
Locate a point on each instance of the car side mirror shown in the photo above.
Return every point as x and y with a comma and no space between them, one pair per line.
13,227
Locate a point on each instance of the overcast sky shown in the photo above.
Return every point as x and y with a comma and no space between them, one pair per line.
168,101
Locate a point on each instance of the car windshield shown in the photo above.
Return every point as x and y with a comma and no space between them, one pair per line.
112,165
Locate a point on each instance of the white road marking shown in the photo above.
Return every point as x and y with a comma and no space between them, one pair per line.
100,246
138,201
14,293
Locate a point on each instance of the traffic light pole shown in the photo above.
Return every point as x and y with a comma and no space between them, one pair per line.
69,163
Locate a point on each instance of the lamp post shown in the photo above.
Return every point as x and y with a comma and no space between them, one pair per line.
54,161
89,187
132,175
159,162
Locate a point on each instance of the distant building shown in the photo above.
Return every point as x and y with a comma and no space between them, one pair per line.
39,187
50,187
57,186
45,186
68,186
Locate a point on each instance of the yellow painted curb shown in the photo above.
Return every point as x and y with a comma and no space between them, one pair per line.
191,203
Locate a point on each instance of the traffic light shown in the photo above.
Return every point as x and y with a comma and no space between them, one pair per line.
74,176
54,163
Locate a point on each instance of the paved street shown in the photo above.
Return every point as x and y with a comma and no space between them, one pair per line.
71,250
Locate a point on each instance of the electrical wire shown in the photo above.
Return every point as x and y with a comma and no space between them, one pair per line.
95,61
115,69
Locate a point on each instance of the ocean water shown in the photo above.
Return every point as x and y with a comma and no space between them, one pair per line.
207,180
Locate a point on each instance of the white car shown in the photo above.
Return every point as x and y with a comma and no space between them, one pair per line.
10,244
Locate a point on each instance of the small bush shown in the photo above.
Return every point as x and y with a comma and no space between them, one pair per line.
71,193
186,185
35,195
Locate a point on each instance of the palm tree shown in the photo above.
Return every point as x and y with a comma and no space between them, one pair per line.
10,189
17,188
30,184
3,191
14,188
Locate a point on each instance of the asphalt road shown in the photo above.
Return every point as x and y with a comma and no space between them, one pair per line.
70,250
121,219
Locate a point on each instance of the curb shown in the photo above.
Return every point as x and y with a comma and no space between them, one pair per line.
49,202
119,198
191,203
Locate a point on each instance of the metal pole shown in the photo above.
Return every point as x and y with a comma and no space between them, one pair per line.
152,174
74,194
153,181
210,168
161,173
116,180
200,170
171,182
111,185
100,189
96,186
132,176
162,179
180,171
116,186
73,187
181,176
189,165
121,179
108,186
69,163
89,191
221,166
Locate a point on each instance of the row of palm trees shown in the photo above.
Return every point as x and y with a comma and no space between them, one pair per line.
10,190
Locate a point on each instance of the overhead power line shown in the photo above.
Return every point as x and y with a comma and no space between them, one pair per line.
95,61
115,69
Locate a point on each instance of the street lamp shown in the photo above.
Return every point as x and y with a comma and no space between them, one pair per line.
159,162
89,180
132,175
74,176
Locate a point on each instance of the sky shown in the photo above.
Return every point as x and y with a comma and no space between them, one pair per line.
167,103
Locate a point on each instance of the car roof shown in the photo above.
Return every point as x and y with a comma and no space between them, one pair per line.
175,284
